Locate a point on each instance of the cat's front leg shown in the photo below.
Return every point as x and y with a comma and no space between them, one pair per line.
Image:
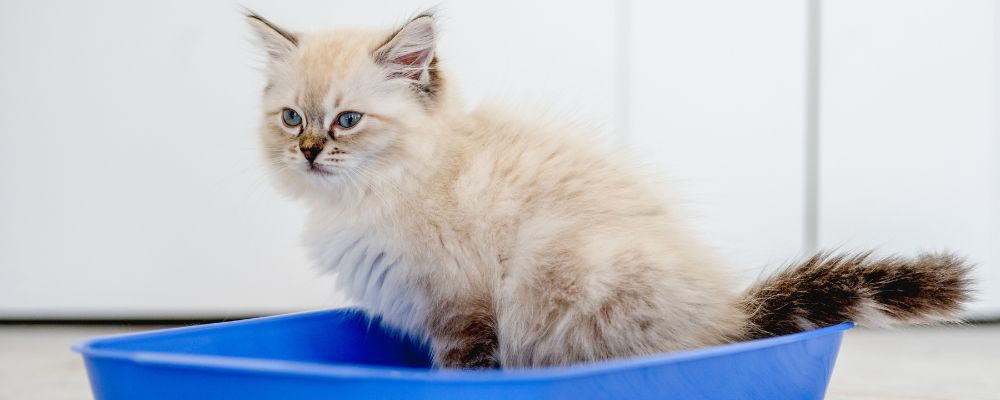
465,337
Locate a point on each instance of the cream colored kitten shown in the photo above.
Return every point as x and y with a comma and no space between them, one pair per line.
510,243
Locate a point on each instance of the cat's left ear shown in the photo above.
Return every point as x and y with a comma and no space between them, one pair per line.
409,53
278,42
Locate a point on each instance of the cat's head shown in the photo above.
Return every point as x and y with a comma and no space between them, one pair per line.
344,108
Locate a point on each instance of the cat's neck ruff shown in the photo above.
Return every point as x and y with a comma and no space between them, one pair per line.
359,240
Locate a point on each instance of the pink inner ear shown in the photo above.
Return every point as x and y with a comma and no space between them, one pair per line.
413,63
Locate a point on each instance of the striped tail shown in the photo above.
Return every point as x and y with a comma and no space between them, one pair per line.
829,289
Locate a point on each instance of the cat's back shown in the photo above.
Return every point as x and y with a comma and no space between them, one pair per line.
532,163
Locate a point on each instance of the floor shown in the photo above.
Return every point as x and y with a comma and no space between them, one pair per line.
915,363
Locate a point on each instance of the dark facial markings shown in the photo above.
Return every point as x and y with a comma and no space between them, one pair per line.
311,146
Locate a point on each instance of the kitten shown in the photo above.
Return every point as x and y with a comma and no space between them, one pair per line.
506,242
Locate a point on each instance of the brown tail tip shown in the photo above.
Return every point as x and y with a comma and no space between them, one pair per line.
828,289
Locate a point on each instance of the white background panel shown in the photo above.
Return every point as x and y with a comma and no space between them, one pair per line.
130,183
909,145
131,180
717,91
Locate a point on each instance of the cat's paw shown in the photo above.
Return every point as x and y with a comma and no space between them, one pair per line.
469,360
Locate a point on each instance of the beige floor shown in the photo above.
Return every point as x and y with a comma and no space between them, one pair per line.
915,363
939,363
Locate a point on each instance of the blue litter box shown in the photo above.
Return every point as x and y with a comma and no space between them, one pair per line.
340,354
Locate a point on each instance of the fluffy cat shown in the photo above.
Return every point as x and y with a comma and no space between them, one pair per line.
506,242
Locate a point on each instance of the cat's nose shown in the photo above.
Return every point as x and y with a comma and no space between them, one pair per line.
310,152
311,146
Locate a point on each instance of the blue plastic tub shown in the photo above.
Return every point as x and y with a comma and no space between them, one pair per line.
340,354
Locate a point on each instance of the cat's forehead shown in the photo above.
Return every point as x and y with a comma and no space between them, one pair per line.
332,55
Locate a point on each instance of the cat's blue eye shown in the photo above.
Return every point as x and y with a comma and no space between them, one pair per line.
291,118
348,119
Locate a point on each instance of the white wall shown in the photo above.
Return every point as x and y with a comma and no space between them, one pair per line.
909,136
716,94
130,183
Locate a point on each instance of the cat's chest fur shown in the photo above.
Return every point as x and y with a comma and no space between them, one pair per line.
386,263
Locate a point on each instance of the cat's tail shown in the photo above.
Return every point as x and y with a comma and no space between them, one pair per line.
829,289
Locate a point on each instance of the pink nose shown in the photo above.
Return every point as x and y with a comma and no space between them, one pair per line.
310,153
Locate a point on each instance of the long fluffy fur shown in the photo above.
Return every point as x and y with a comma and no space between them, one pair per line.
827,289
505,241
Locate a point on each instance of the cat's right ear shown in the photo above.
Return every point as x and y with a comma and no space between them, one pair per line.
278,42
409,53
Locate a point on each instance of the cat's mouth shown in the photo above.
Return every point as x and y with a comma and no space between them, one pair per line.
320,170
